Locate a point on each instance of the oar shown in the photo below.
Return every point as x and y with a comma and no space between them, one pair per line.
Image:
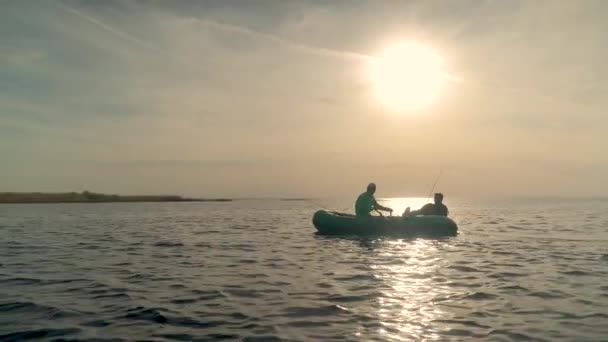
385,219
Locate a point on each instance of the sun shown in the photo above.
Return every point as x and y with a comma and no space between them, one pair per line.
407,76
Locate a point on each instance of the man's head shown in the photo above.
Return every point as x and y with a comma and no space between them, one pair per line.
371,188
438,198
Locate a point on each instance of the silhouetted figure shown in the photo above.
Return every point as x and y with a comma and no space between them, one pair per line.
366,202
437,208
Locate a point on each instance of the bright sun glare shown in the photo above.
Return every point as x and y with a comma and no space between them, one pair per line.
407,76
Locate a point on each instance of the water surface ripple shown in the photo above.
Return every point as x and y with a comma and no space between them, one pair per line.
255,270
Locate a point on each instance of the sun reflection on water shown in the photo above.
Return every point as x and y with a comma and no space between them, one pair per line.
406,307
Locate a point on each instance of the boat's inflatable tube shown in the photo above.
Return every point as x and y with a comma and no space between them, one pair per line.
334,223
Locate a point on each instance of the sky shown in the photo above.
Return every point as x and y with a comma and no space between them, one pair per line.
273,98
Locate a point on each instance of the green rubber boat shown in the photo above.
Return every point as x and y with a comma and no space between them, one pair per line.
335,223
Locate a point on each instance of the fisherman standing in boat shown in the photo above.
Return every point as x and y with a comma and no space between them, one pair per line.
366,202
437,208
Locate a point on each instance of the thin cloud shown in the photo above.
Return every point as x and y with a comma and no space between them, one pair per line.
119,33
282,41
229,28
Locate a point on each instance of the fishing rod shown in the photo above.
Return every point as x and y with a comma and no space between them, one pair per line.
435,184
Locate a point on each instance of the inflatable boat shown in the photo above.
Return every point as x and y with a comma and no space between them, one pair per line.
335,223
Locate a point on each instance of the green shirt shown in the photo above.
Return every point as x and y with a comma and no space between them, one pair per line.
365,204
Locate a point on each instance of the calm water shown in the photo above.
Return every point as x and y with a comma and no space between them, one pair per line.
255,270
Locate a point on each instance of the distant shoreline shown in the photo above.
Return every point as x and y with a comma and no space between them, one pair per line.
91,197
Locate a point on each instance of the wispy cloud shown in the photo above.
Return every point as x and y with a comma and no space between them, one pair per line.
117,32
321,51
316,50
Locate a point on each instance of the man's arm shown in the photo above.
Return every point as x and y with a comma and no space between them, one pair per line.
378,206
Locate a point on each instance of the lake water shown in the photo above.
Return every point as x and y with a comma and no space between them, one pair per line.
256,270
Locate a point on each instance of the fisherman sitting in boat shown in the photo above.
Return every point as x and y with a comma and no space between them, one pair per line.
437,208
366,202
